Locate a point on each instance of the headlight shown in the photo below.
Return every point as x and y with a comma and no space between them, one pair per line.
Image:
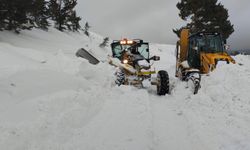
125,61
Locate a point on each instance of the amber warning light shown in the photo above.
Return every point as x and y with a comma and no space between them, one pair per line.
123,42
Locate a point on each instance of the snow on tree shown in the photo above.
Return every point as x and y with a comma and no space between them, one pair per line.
64,15
14,15
40,14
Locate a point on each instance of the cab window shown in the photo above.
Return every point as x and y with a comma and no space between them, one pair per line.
116,50
144,50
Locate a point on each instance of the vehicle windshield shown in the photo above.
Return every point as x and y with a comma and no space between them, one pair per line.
118,49
210,43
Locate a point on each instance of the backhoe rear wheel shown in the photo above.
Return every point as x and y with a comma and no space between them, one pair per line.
163,83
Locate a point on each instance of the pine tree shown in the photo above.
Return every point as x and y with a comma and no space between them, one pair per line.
16,15
86,29
55,7
206,16
23,14
74,22
105,42
3,16
40,14
64,15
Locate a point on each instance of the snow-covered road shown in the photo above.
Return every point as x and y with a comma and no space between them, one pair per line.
49,99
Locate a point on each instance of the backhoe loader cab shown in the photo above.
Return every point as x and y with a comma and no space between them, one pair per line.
203,43
199,53
134,66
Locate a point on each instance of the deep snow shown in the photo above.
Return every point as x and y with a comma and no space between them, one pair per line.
49,99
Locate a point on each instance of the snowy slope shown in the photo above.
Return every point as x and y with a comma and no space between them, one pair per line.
52,100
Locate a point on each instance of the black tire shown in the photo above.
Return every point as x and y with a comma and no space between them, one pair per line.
163,85
195,77
120,77
196,87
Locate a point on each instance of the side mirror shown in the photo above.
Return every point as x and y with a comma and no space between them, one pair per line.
155,58
226,47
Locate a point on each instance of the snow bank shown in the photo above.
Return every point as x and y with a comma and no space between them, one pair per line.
52,100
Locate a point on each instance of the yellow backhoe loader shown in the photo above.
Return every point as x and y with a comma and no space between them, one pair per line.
198,54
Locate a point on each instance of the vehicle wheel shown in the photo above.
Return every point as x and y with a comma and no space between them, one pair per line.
120,77
195,79
163,83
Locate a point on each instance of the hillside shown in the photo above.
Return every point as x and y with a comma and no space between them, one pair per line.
51,99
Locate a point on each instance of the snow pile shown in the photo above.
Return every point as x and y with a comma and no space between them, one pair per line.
52,100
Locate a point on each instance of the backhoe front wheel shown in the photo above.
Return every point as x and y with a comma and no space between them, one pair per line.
163,83
194,78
